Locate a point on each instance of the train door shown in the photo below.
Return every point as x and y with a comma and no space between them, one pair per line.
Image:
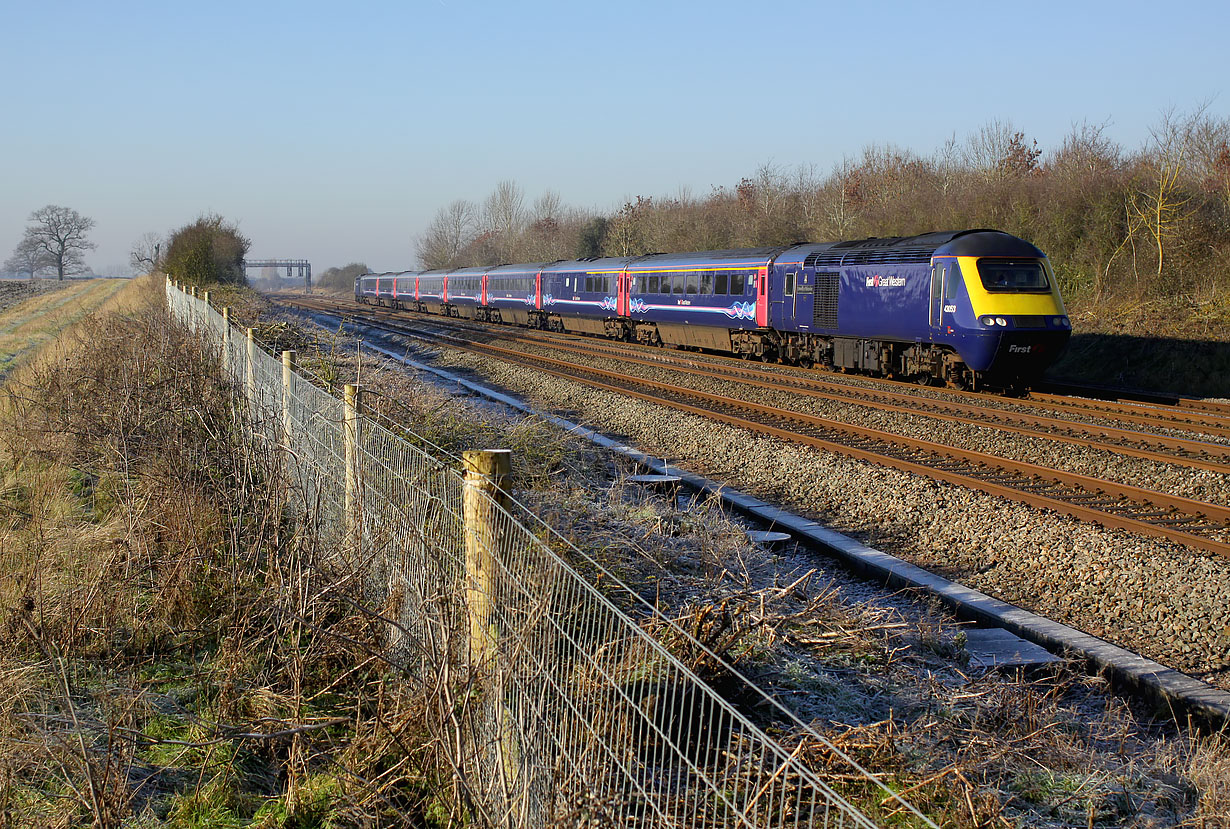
538,291
951,277
622,291
781,301
805,298
935,304
762,297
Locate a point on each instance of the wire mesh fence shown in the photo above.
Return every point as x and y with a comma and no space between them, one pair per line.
558,703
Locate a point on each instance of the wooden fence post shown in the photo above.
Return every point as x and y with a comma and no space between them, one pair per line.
350,439
288,390
251,373
487,476
226,343
288,412
485,502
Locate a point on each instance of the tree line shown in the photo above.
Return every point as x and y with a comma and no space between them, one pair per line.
1151,222
207,251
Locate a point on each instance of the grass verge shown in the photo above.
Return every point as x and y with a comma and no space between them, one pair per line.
160,663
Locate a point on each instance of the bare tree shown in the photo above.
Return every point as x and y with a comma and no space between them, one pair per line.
504,210
145,254
806,186
547,206
1086,151
1160,202
986,149
60,232
504,216
842,200
28,258
450,231
625,232
947,165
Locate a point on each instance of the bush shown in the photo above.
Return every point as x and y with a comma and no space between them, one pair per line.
208,251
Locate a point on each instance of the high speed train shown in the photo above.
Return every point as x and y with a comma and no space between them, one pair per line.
970,308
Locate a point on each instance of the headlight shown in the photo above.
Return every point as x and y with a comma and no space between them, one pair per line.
989,322
1001,321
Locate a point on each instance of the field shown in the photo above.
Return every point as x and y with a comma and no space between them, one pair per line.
28,321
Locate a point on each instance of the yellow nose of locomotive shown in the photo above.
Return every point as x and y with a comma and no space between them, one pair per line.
1018,308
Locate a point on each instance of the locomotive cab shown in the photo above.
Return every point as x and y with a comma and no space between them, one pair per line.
996,299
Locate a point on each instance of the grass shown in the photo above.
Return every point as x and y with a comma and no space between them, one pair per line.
28,325
154,641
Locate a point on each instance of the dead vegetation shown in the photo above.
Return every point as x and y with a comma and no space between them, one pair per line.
171,651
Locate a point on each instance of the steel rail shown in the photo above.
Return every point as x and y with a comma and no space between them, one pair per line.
1109,504
1211,417
1154,447
1214,457
1060,390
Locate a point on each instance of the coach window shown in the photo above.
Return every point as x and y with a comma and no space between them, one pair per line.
677,284
738,284
706,283
693,283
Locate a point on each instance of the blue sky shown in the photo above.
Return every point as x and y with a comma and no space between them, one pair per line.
334,131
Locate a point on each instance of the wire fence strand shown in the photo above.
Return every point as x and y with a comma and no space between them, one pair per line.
562,706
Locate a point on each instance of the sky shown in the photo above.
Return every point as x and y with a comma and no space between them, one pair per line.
334,131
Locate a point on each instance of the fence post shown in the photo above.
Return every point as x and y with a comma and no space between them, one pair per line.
251,378
350,439
205,313
288,417
487,475
226,344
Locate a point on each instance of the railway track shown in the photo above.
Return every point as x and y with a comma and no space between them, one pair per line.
1152,446
1115,395
1198,524
1205,417
1197,454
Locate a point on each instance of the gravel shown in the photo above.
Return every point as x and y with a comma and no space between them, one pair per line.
1158,598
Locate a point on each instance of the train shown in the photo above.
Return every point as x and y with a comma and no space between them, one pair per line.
972,309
